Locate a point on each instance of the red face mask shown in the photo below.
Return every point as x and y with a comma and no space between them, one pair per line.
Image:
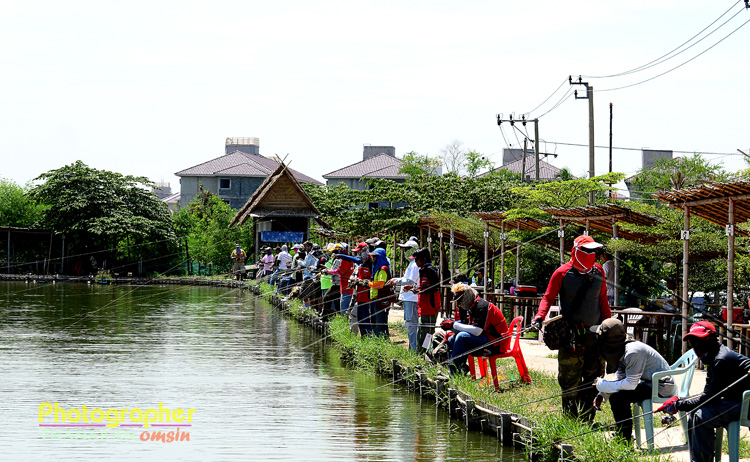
583,259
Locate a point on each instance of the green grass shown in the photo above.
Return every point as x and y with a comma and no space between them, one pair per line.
539,401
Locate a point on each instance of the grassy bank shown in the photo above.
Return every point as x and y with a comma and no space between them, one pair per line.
539,401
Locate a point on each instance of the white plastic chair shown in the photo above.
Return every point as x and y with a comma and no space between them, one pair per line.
553,311
733,432
684,366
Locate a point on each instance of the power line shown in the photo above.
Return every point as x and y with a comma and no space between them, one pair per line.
680,65
665,57
641,149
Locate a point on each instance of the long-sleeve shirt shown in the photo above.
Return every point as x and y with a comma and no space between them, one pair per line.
411,278
589,308
639,363
724,367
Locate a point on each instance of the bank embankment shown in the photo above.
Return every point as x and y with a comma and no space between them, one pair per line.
526,416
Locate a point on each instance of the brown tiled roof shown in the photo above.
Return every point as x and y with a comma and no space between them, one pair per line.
238,163
382,166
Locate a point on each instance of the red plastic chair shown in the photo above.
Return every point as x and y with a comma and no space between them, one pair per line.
513,352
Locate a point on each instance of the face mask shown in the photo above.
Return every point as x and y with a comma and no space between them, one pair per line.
583,259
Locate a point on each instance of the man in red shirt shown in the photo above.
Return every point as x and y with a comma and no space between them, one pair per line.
580,283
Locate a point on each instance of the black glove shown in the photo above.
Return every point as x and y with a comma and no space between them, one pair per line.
537,324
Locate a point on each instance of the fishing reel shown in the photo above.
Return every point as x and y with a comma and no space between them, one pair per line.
668,420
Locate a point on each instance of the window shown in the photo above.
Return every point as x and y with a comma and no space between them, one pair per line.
225,183
373,205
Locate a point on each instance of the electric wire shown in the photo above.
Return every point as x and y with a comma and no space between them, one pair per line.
548,98
678,66
661,59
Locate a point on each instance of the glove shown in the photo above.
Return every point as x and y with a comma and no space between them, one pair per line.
537,324
447,324
669,406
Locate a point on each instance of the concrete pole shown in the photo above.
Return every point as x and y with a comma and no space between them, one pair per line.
730,274
685,274
523,162
453,258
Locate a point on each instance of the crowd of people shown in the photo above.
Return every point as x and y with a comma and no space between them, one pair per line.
359,283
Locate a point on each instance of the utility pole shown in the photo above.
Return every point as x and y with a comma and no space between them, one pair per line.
523,121
589,96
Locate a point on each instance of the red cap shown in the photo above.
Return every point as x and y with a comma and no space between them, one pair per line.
586,242
360,246
700,329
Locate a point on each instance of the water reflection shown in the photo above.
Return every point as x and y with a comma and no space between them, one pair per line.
263,387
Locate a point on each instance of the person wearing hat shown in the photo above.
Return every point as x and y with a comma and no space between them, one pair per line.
343,267
408,298
332,295
486,328
380,294
267,262
583,303
635,363
429,301
726,380
311,259
360,280
238,257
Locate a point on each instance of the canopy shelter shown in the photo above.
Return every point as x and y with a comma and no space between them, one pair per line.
280,209
724,204
604,219
501,222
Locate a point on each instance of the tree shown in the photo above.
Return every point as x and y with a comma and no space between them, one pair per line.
454,156
104,212
476,162
204,224
674,173
17,208
415,164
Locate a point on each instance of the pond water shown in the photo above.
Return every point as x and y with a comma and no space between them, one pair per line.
83,366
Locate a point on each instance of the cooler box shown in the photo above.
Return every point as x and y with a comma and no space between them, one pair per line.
738,314
526,291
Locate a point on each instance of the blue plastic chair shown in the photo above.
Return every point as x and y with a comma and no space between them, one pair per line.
684,366
733,432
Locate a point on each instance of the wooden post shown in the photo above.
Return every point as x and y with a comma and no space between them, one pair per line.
518,259
730,274
486,250
561,234
502,258
453,257
615,235
685,273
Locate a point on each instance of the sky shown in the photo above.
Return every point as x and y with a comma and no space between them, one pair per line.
149,88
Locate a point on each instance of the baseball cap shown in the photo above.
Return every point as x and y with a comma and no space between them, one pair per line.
587,242
700,329
411,243
360,246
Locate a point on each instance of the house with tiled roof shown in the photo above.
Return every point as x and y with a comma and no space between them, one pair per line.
235,176
377,162
513,162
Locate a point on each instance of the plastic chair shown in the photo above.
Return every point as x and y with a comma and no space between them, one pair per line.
633,318
513,352
553,311
683,366
733,432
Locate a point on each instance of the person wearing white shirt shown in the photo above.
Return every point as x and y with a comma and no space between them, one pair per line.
408,298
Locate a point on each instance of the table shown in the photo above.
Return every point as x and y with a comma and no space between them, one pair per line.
657,322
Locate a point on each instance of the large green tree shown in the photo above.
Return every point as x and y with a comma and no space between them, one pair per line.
204,224
17,207
114,216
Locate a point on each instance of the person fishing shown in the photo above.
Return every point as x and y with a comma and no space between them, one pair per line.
721,400
484,330
408,298
635,363
583,303
238,256
429,301
380,294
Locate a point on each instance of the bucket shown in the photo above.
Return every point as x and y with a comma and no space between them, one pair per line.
737,315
